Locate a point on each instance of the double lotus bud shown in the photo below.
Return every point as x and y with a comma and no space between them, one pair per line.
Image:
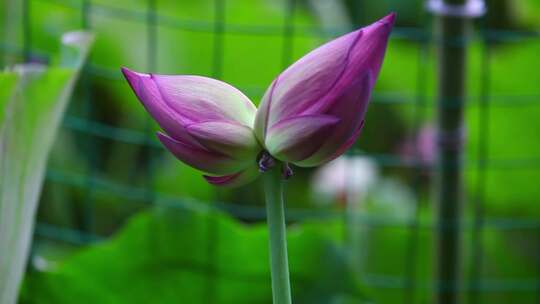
311,113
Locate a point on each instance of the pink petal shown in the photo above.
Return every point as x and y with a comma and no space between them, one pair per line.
233,139
200,159
339,151
305,82
347,144
366,57
234,180
315,83
197,99
351,110
149,95
296,138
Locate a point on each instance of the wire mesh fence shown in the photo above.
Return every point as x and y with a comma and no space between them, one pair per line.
95,134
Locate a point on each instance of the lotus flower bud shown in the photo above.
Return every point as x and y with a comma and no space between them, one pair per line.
310,114
315,109
207,123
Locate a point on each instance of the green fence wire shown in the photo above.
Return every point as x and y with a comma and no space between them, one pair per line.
93,131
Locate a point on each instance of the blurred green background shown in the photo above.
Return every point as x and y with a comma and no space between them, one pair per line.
122,221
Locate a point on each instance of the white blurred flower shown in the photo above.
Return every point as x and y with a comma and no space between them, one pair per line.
346,179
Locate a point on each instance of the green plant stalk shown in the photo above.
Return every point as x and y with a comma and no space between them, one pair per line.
452,33
275,214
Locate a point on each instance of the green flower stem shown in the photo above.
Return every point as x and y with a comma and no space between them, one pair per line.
273,187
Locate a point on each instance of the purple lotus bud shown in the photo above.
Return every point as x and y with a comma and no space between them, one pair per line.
311,113
208,123
314,110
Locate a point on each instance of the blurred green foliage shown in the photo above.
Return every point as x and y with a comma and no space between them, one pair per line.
197,257
386,256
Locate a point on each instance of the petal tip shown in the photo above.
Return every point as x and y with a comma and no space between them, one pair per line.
131,75
127,72
389,19
387,22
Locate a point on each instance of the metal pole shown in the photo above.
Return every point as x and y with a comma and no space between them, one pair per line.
452,28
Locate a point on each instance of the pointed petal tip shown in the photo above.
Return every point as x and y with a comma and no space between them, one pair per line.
124,70
389,19
131,75
127,72
381,28
386,22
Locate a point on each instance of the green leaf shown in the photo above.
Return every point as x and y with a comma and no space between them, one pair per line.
33,101
187,256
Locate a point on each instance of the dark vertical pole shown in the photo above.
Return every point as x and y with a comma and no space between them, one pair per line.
453,23
451,40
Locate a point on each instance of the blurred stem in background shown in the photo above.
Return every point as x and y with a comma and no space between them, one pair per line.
275,214
453,26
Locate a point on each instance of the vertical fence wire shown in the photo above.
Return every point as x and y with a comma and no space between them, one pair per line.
475,275
418,116
85,14
219,39
26,30
288,33
151,63
92,146
147,152
351,224
213,240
